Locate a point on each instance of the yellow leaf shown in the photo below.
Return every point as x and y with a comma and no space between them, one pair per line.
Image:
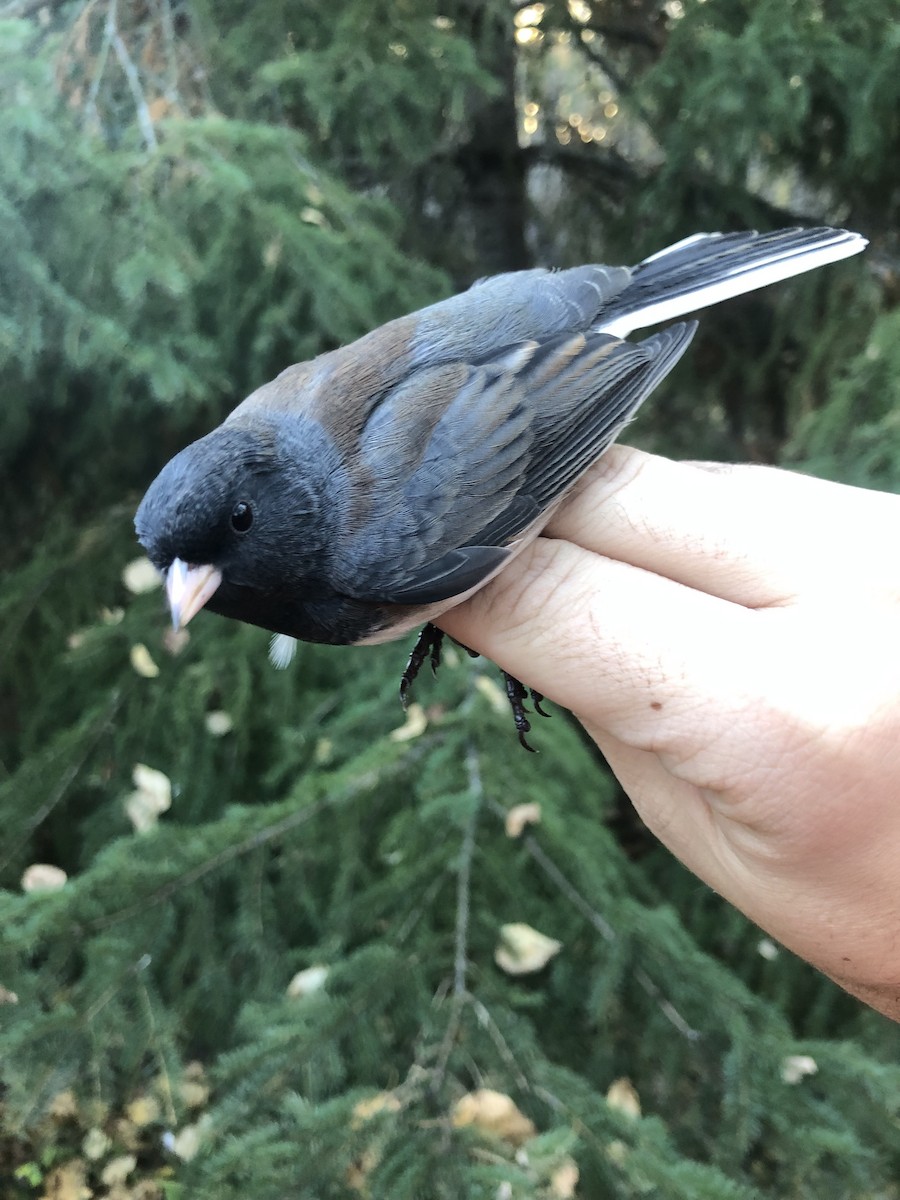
67,1182
219,723
564,1180
118,1169
43,877
617,1152
492,693
142,661
306,982
63,1106
521,815
523,950
271,255
95,1144
187,1141
143,1111
796,1067
415,726
193,1088
152,796
622,1096
312,216
358,1172
372,1105
141,576
323,752
494,1113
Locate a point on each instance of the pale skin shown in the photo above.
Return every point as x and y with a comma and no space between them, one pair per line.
730,638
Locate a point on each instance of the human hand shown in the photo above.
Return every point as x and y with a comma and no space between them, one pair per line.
730,638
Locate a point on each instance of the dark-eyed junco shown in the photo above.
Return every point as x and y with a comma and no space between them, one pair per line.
359,495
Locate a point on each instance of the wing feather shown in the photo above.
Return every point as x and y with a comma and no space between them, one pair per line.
517,433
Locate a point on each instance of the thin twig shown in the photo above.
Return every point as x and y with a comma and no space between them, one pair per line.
461,994
420,906
109,32
464,875
163,1080
168,28
549,867
28,8
488,1023
666,1007
145,121
602,926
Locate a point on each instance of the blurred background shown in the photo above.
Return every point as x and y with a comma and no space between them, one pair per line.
262,935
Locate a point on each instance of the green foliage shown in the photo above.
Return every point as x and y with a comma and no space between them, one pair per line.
228,188
804,87
186,276
855,436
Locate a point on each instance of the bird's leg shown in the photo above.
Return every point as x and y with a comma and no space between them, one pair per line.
517,694
428,645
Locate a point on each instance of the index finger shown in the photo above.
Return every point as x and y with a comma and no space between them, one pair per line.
757,536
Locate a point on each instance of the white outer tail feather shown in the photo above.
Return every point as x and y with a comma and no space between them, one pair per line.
747,279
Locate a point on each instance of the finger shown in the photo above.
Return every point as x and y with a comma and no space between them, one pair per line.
660,666
676,812
756,536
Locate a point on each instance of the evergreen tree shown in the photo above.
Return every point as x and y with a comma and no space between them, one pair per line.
263,935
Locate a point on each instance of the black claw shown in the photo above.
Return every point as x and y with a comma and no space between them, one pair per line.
428,645
524,744
434,653
471,653
517,694
537,700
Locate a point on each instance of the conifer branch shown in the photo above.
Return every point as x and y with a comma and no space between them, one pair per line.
601,925
68,777
260,837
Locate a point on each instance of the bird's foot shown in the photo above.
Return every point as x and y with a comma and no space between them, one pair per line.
428,646
517,693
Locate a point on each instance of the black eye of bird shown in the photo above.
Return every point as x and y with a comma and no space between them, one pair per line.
241,517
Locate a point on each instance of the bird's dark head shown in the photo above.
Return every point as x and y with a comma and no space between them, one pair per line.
239,522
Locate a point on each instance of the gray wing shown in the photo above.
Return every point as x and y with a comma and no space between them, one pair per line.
503,310
445,499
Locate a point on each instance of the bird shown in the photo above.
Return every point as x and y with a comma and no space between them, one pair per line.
359,495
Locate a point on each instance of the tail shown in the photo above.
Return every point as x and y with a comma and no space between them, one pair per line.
709,267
